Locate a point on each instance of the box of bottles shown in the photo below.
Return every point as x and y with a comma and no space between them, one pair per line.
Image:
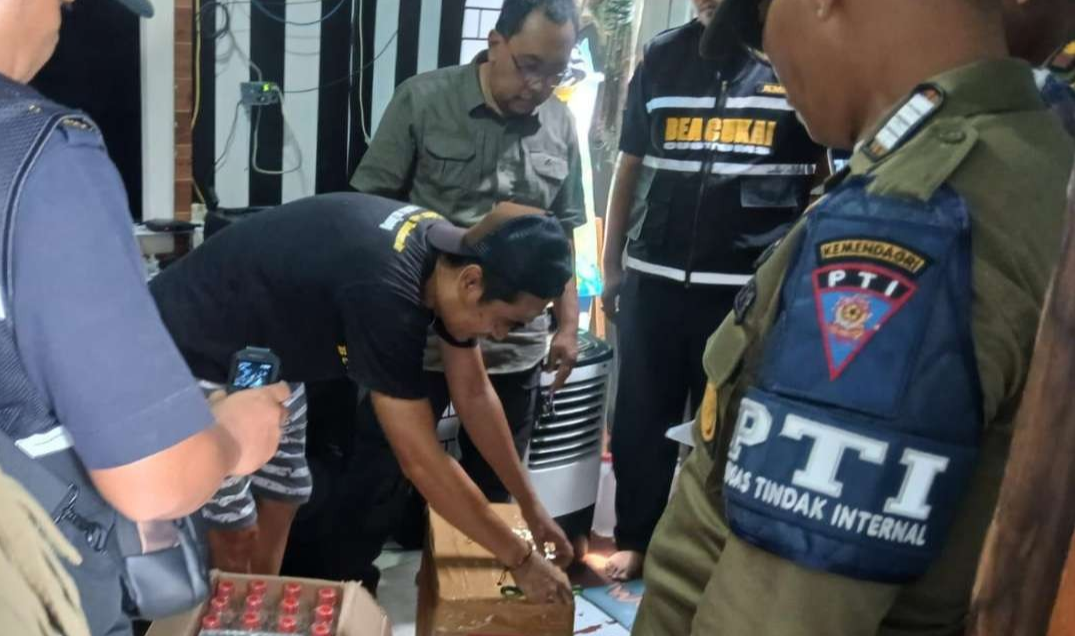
253,605
464,591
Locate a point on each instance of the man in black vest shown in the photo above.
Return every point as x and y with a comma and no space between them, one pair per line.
714,168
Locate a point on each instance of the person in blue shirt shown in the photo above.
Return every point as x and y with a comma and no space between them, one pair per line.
83,337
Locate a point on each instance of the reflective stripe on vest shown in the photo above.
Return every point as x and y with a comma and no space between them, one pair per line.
679,275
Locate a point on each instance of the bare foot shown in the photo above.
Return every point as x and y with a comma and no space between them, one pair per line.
624,565
581,544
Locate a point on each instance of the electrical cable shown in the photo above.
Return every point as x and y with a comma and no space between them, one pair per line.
254,147
362,71
225,28
340,80
197,86
225,31
197,64
265,11
231,136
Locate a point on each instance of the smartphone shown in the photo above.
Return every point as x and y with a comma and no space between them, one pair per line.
253,367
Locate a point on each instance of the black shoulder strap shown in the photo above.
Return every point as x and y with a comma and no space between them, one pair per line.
50,491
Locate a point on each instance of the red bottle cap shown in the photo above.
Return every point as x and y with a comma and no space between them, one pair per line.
289,606
257,586
225,588
251,620
321,629
327,596
324,614
218,605
254,602
211,621
287,624
292,590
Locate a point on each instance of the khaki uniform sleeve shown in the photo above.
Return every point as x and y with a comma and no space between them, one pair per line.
757,593
387,168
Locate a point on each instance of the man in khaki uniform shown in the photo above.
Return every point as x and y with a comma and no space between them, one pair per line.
861,396
37,595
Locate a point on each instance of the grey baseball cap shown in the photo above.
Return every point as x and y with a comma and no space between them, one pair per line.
138,7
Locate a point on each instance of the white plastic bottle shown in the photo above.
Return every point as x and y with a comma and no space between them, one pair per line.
604,517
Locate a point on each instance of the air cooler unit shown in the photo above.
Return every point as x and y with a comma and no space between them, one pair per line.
565,451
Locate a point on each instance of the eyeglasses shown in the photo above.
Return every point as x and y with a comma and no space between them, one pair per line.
534,76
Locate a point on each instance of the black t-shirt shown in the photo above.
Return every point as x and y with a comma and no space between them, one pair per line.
331,283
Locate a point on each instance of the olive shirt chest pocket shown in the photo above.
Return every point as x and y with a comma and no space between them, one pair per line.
450,161
550,172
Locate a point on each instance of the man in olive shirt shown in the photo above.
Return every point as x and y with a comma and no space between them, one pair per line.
458,140
861,396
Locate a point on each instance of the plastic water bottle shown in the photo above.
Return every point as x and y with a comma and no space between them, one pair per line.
604,516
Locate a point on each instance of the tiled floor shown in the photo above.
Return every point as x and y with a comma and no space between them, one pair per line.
397,593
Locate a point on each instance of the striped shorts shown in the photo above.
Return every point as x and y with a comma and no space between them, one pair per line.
286,477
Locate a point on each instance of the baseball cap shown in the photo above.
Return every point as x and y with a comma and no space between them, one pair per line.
736,23
529,252
139,7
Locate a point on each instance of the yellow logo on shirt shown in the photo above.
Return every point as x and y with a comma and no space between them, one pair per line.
408,227
772,89
406,219
753,136
342,350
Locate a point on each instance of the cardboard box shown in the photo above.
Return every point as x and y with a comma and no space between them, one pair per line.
359,614
459,595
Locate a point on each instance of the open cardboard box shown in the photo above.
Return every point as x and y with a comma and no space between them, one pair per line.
459,589
359,615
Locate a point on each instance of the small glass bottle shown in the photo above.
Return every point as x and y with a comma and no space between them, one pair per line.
327,596
225,588
289,606
257,586
211,621
287,624
324,614
221,607
255,602
252,622
292,590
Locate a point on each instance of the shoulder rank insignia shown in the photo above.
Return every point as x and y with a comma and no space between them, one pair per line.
859,285
1063,60
909,117
78,123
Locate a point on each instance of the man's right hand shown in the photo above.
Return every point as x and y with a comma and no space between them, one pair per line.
254,418
610,297
541,581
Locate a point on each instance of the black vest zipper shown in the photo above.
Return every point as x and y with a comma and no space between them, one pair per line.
707,167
